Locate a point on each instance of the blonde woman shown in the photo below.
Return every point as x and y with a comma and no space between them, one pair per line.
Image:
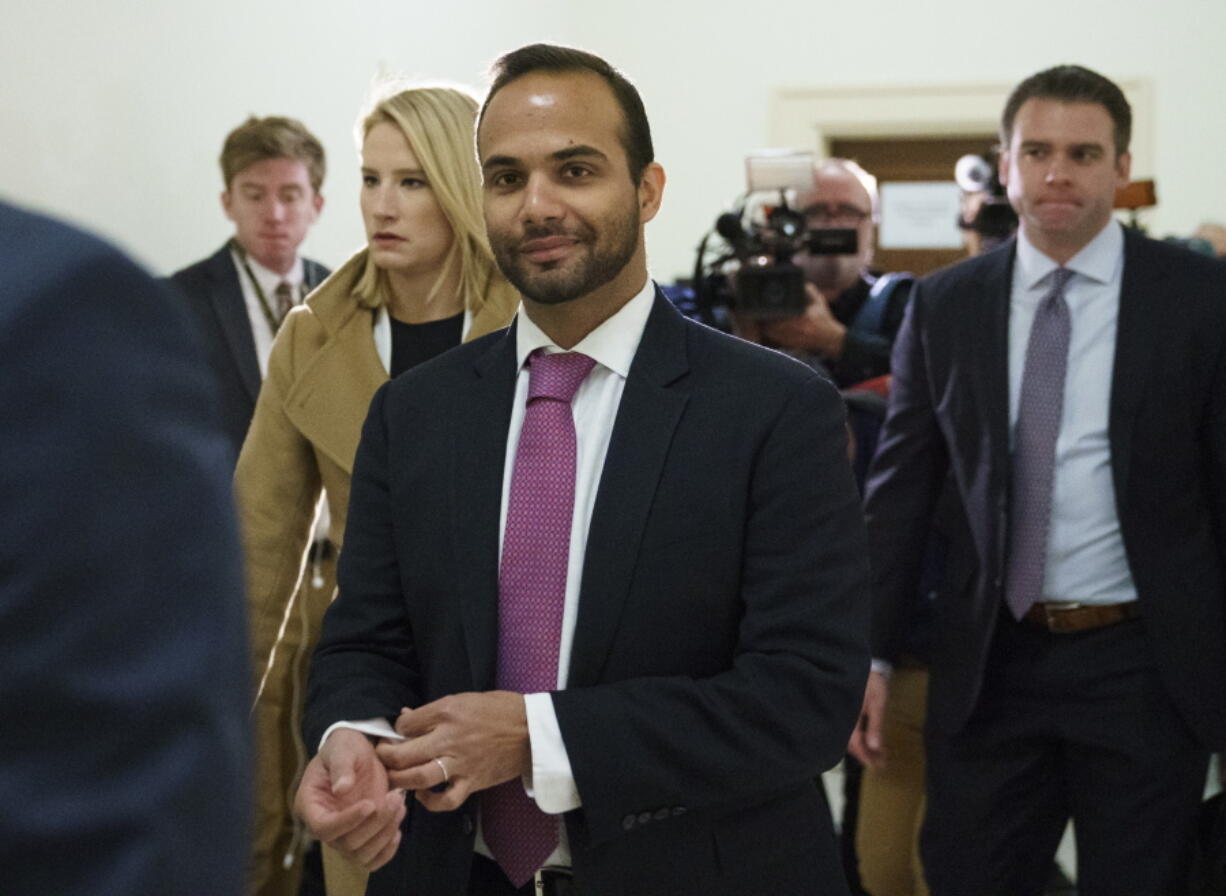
425,281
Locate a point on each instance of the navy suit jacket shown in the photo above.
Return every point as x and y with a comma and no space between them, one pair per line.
949,407
218,312
124,747
720,649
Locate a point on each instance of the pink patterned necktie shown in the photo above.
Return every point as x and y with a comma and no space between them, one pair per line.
1040,406
532,590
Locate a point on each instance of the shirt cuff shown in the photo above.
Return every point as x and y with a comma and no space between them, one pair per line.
552,784
882,668
376,727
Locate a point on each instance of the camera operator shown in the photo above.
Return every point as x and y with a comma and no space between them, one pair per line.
845,327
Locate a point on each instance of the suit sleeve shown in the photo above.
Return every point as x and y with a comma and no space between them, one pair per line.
365,661
779,708
123,674
904,482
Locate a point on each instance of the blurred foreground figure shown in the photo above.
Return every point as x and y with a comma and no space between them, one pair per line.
123,677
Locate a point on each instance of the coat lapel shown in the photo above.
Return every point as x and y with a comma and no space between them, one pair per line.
482,414
226,297
1134,346
650,409
329,399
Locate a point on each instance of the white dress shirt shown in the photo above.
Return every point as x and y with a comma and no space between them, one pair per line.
612,345
268,281
1086,562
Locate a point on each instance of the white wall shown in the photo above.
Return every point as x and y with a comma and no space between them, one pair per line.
112,113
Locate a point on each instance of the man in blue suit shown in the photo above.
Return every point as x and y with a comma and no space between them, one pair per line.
123,678
1071,386
273,169
705,642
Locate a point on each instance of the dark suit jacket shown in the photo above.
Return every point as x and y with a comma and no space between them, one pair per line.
1167,428
214,297
123,670
720,650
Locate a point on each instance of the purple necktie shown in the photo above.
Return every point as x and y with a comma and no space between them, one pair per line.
1040,405
532,590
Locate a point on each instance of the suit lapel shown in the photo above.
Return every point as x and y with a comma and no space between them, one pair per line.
986,340
226,297
1134,345
994,355
646,420
482,414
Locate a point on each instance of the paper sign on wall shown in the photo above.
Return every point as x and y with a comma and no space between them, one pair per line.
920,215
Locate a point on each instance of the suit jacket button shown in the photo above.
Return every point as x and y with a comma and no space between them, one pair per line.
468,825
661,814
628,822
644,817
678,810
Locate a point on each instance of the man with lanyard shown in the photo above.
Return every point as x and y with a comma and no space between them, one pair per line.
273,168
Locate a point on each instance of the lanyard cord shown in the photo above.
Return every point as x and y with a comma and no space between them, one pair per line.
273,323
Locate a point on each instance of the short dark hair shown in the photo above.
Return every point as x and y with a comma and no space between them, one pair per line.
636,132
1071,84
273,137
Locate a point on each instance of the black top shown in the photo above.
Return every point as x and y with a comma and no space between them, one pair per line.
414,343
866,355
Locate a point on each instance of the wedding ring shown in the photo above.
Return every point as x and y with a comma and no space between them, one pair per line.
446,777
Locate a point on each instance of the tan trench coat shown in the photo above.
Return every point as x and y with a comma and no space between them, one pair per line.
322,373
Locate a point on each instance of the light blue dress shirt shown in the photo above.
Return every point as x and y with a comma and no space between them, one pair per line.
1086,561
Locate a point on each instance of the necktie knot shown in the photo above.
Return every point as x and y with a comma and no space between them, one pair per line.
285,299
1060,279
558,375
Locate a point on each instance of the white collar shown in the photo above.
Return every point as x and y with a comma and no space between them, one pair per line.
612,344
1099,259
268,279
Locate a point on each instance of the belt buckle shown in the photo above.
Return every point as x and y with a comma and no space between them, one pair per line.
545,878
1053,616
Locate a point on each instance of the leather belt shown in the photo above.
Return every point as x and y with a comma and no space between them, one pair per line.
1064,619
550,881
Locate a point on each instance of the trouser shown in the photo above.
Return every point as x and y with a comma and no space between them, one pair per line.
1068,725
892,797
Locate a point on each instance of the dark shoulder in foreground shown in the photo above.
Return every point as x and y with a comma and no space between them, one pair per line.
40,253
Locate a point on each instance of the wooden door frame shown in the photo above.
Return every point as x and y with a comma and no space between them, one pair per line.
809,117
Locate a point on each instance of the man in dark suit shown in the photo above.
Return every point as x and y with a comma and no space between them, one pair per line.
1073,383
123,677
273,169
650,711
